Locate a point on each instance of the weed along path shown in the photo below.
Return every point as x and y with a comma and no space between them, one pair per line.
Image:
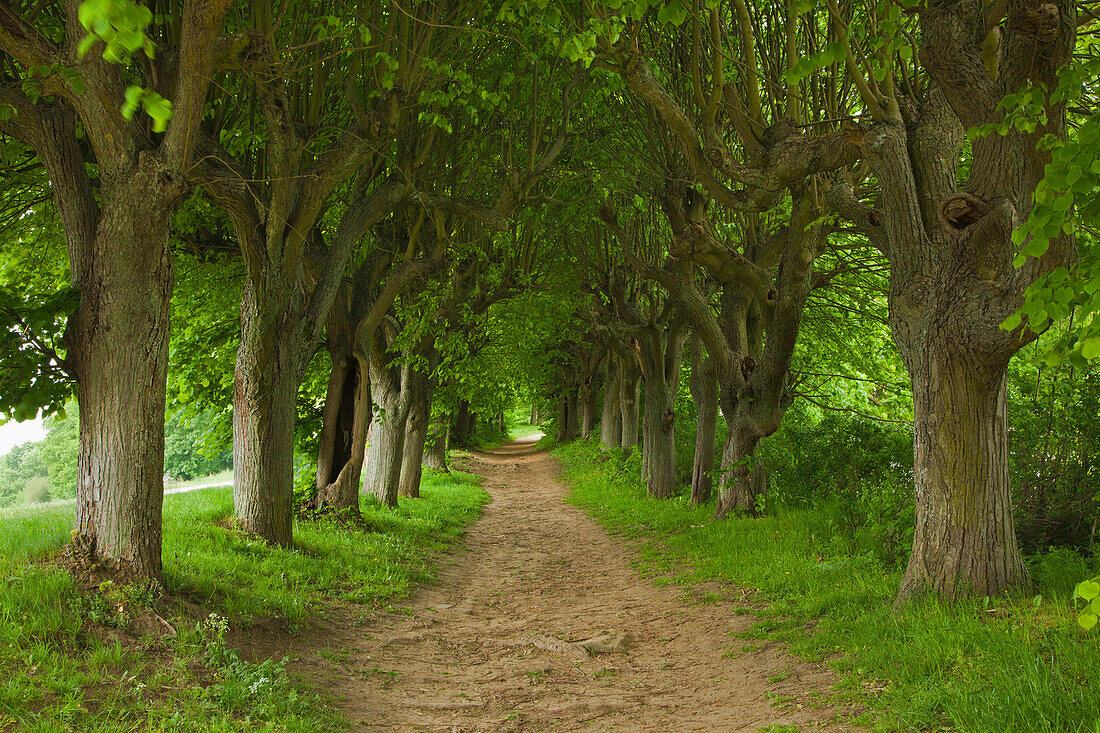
540,623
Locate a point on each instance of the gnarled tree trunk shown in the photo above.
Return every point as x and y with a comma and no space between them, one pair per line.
569,423
462,430
588,390
345,422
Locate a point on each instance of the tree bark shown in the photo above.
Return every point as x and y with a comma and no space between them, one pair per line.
416,433
611,426
573,426
569,420
386,452
588,411
345,422
118,346
660,350
630,382
588,390
704,392
435,456
461,432
265,393
960,463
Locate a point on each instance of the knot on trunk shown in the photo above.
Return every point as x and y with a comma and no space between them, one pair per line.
960,210
853,132
874,218
1039,24
748,366
716,155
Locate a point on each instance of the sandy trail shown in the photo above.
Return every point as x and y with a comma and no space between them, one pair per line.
483,649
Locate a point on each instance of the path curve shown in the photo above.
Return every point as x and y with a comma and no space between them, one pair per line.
486,648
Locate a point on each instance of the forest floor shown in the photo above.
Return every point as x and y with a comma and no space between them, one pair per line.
493,645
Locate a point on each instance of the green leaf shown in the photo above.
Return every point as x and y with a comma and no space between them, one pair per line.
1087,620
1090,349
1012,322
1087,590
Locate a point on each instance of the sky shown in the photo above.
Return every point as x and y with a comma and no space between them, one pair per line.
13,433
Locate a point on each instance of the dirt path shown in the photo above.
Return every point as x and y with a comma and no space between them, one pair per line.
483,649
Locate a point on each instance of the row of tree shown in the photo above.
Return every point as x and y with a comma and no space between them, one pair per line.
370,184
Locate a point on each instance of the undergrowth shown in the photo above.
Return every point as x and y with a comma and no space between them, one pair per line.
152,658
1003,664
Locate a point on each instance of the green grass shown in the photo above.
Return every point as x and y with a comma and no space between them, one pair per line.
1005,665
224,477
523,430
64,666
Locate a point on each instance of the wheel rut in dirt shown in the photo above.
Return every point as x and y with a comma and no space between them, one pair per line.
491,646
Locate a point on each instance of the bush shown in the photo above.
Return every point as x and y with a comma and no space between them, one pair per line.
37,490
861,470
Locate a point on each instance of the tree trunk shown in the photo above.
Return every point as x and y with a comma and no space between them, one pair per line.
588,411
416,433
462,431
659,445
964,544
704,392
386,452
118,345
744,478
345,422
611,425
660,351
534,416
629,386
435,456
265,392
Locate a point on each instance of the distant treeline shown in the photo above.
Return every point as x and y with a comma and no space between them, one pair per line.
45,470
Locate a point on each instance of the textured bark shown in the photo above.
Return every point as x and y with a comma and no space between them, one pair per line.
611,425
265,393
952,281
630,384
960,463
416,433
344,426
704,392
118,347
660,352
117,239
386,452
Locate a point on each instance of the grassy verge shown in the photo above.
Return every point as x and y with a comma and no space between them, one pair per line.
218,479
523,430
1001,665
126,659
